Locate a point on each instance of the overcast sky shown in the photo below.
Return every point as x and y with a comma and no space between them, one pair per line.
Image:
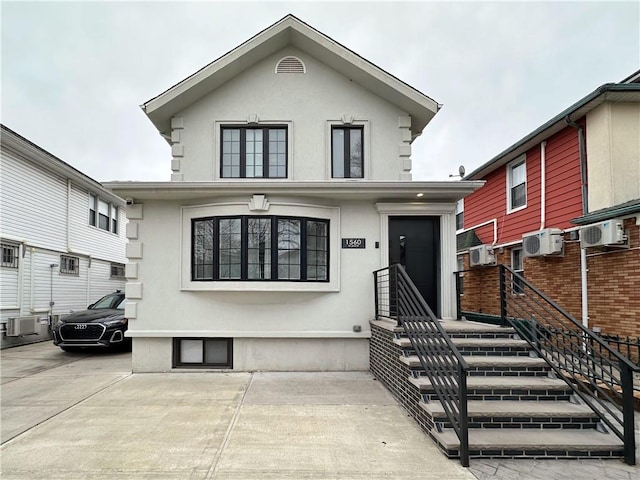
75,73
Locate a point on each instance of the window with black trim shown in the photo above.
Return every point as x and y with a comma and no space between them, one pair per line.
69,265
117,270
203,352
9,255
517,184
264,248
517,286
253,152
347,152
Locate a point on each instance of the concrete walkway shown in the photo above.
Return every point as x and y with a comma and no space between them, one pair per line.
86,416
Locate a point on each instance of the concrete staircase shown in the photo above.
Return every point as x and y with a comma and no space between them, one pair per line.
516,407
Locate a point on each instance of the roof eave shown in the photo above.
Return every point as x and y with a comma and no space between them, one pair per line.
398,191
290,30
553,126
14,142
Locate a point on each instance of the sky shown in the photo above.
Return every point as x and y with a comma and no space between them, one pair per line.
73,74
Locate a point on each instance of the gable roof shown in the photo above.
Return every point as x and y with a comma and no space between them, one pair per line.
609,92
290,31
12,141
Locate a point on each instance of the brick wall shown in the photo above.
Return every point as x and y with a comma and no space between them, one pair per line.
613,283
384,357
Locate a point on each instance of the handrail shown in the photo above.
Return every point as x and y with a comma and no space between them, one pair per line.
602,378
397,297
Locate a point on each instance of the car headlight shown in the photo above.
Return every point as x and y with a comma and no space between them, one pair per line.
114,322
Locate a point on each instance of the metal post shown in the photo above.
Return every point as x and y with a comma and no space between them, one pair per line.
375,295
503,297
464,421
458,302
626,381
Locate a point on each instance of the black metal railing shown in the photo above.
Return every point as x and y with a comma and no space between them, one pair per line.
397,298
597,373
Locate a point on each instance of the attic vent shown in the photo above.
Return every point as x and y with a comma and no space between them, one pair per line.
290,65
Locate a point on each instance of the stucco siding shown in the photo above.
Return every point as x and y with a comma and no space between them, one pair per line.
613,153
240,312
300,99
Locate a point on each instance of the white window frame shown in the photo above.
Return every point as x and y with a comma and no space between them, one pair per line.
517,290
366,157
522,159
460,210
15,249
113,214
217,155
285,209
64,270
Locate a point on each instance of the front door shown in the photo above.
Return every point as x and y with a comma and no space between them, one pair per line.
414,242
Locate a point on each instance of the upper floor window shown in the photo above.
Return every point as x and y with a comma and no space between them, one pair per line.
69,265
9,255
103,214
254,152
260,248
517,184
460,215
347,152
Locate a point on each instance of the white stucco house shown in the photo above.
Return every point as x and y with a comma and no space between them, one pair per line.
62,237
291,183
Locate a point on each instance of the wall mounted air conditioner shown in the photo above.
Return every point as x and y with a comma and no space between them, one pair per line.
19,326
610,232
542,242
481,255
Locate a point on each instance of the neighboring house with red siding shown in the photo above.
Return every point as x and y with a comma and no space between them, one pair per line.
575,176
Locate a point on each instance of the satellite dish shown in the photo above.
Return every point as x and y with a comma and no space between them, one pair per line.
461,170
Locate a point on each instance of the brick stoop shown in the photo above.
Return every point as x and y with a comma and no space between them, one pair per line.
516,407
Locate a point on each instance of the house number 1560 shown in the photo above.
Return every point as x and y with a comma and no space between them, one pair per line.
353,243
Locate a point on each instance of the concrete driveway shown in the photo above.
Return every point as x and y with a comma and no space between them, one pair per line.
86,416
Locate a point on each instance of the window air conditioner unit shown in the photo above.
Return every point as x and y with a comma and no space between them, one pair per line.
610,232
19,326
542,242
481,255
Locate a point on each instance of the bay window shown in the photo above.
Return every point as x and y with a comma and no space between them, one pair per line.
260,248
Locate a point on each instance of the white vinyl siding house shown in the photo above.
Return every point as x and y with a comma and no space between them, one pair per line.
242,260
45,218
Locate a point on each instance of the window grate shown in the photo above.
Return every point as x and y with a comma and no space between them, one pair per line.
69,265
9,256
290,65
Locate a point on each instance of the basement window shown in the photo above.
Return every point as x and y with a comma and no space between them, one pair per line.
202,353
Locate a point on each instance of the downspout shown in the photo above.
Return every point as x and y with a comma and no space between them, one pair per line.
543,184
583,163
585,209
68,215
